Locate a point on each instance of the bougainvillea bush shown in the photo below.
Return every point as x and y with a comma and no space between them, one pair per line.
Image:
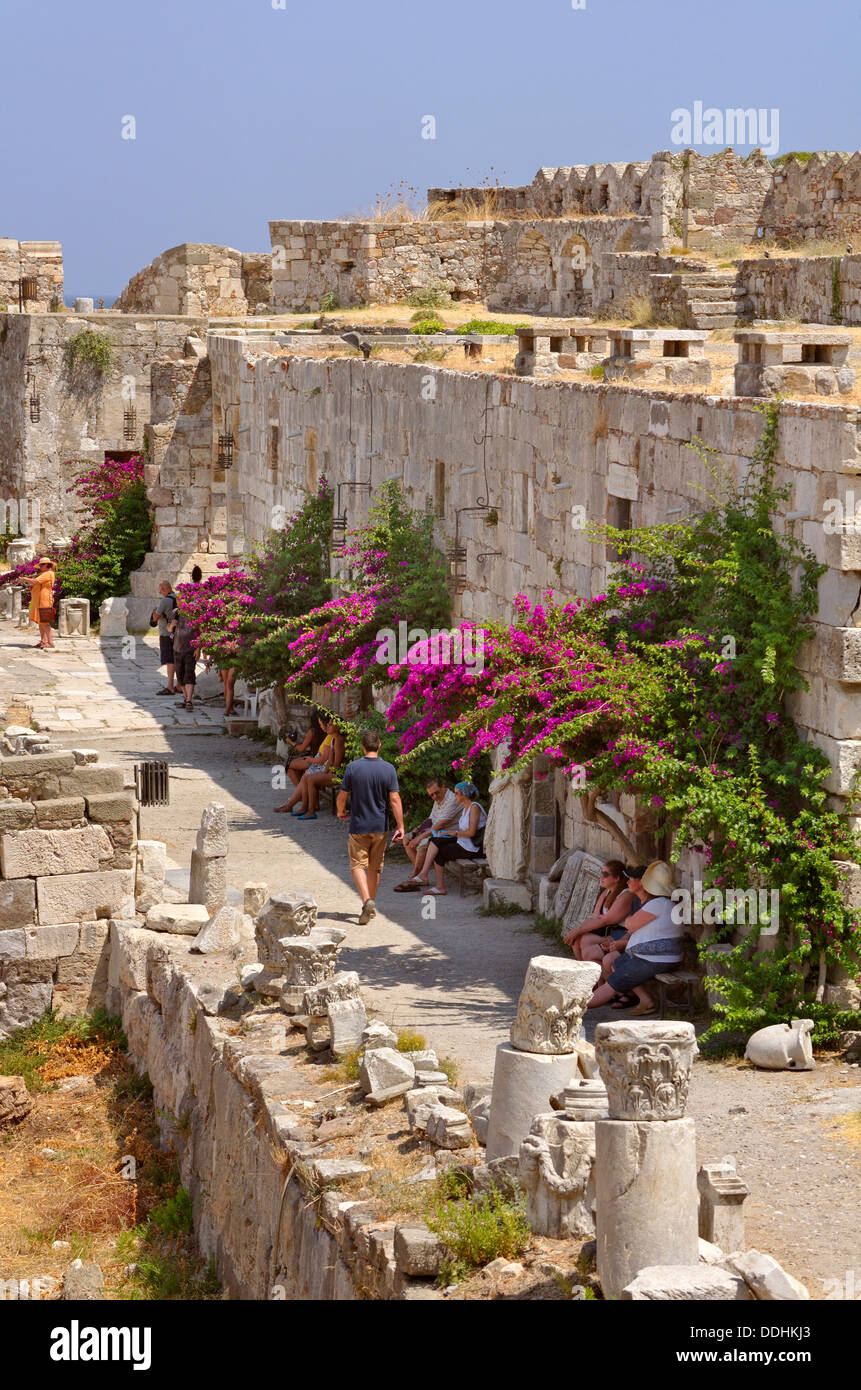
672,687
389,572
113,541
230,611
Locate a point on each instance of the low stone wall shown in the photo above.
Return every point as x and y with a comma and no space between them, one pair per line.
540,267
815,289
67,865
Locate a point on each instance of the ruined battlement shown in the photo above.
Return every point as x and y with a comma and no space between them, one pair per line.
31,276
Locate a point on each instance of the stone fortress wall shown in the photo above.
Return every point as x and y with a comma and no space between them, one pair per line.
38,261
196,279
692,197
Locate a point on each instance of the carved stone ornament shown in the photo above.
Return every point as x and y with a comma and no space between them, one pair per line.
557,1159
646,1068
552,1003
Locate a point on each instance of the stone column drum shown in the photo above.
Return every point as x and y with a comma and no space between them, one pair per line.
538,1061
645,1153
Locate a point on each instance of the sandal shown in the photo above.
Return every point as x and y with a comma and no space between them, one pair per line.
188,705
229,713
644,1011
623,1001
435,892
164,691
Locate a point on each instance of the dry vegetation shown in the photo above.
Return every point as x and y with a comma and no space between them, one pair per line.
65,1166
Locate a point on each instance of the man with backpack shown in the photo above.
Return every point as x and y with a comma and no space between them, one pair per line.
161,616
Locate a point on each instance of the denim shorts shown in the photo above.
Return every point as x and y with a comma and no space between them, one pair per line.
631,970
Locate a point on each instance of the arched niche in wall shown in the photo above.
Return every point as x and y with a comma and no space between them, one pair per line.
574,278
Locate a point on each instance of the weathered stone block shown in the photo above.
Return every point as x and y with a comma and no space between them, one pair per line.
764,1276
32,853
17,815
208,882
62,808
79,897
13,945
187,919
212,837
226,928
17,903
15,1100
418,1252
49,943
18,771
88,779
347,1020
675,1283
111,806
383,1067
149,873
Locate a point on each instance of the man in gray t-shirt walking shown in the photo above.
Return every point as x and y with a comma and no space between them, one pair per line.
372,785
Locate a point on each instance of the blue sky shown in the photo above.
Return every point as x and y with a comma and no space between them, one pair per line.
245,112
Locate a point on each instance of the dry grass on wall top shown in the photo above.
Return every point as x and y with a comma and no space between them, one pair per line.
66,1175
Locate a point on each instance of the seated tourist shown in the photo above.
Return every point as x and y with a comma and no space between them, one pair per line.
444,816
616,901
466,841
306,752
320,773
652,943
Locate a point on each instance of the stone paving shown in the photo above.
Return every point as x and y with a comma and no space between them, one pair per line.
88,686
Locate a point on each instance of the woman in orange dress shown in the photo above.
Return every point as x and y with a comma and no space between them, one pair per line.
42,603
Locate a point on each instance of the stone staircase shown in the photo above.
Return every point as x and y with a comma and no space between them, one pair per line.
710,299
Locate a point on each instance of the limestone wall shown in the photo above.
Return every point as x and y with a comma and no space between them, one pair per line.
245,1159
67,866
550,446
42,260
81,414
818,198
816,289
538,266
577,190
198,279
722,195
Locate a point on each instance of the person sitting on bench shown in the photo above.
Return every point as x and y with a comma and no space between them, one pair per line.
320,773
468,843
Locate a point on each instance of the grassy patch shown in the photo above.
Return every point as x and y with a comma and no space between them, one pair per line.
55,1047
549,927
434,297
451,1069
497,909
476,1232
410,1041
508,330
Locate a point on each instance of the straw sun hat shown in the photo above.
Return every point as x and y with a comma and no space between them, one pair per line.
658,879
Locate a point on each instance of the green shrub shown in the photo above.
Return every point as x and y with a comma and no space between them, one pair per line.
435,297
429,325
507,330
480,1231
173,1217
91,349
410,1041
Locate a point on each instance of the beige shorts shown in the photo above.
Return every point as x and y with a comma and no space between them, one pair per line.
367,851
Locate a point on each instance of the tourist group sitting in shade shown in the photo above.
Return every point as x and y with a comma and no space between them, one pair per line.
631,934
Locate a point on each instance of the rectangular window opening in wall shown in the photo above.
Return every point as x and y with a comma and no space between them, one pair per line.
439,487
619,517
